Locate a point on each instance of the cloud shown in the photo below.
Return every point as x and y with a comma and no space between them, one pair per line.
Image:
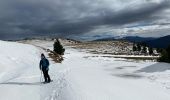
21,18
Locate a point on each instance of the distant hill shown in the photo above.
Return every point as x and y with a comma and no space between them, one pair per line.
105,39
128,38
162,42
138,39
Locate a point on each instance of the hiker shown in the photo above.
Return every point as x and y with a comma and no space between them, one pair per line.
44,67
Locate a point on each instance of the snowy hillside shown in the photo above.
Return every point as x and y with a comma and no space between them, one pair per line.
15,57
81,76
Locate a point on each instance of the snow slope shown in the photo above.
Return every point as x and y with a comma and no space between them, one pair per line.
81,76
109,79
15,57
18,71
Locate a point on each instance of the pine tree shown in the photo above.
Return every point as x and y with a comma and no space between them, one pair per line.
168,53
150,50
165,55
138,47
159,50
58,48
134,48
144,49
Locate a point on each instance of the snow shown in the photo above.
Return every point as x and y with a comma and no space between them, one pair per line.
81,76
16,57
97,79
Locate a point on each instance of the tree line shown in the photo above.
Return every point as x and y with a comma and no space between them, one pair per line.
164,52
142,47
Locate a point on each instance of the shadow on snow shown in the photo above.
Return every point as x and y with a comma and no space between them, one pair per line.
158,67
20,83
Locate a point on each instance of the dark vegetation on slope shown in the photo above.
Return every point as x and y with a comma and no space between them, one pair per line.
58,48
165,55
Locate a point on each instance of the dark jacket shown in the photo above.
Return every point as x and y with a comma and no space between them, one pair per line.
44,64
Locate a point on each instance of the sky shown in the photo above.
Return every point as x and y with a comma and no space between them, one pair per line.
84,19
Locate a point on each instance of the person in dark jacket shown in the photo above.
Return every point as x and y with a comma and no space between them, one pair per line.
44,66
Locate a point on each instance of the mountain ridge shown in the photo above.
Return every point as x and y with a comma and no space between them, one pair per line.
161,42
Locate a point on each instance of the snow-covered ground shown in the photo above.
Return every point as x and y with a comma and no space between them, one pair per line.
81,76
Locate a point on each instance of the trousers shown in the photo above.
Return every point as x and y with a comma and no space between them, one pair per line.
46,76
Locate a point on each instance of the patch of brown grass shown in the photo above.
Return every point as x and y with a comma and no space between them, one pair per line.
56,57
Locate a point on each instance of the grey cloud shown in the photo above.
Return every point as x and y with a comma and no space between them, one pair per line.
70,17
